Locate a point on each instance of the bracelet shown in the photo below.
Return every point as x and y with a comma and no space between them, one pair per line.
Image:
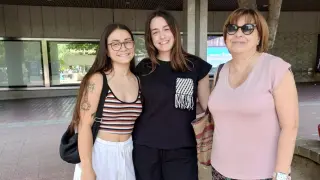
281,176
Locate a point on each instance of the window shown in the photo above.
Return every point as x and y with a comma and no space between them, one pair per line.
20,64
217,52
140,50
70,61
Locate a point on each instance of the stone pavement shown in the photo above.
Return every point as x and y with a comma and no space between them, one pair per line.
30,132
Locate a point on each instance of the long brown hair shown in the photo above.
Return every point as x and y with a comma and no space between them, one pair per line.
102,63
178,56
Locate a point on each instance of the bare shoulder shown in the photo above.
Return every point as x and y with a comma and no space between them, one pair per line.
96,77
95,83
92,92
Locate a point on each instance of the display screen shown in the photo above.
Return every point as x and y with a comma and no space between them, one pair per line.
217,52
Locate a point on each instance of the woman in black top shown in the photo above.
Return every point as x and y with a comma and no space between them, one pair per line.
171,82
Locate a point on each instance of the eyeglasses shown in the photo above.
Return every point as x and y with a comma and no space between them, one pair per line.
247,29
116,46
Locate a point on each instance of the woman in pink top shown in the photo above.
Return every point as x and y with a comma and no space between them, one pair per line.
254,105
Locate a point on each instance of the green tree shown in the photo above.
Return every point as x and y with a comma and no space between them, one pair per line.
274,8
140,45
83,48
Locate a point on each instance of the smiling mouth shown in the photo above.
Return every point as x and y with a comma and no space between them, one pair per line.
124,55
237,42
164,42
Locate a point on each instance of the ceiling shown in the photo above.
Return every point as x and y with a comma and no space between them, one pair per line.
214,5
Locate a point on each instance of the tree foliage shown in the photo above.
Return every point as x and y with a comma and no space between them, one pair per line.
273,16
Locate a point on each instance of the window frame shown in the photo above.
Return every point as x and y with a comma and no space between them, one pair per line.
41,61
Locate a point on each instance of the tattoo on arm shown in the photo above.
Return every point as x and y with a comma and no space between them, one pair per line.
85,105
91,87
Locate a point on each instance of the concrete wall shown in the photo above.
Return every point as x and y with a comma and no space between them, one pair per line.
296,39
66,22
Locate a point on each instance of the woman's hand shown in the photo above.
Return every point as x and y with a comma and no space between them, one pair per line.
88,174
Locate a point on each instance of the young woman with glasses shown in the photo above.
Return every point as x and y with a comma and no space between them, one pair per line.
111,155
254,105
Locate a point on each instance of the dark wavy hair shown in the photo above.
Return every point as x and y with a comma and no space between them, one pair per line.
102,63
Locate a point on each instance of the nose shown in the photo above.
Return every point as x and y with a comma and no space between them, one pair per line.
162,36
122,48
239,33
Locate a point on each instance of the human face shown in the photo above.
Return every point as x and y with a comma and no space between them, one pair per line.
120,46
243,40
161,34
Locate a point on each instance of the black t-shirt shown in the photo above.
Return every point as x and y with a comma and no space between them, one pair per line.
169,104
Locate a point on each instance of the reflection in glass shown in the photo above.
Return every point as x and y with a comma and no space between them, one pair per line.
140,50
70,61
21,64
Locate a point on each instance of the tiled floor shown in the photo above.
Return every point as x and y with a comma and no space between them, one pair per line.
309,106
29,110
30,132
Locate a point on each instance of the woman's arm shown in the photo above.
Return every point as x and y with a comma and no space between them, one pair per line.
213,81
204,92
89,104
286,102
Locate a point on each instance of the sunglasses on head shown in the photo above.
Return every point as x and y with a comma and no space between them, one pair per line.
247,29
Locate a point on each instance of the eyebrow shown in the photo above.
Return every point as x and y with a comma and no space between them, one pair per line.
158,28
117,40
154,29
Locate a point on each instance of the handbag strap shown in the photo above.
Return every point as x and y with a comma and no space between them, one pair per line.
215,82
139,83
141,97
218,72
98,115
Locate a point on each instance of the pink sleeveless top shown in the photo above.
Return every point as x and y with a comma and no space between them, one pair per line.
246,123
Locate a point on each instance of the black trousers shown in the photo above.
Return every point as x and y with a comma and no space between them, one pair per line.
159,164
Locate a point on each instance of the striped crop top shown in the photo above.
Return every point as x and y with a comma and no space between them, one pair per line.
118,117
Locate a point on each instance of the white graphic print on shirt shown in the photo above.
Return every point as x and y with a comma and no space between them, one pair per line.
184,93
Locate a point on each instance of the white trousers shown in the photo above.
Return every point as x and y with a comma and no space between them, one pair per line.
110,161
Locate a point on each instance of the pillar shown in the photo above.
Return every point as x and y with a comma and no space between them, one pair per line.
54,63
195,13
202,30
189,16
